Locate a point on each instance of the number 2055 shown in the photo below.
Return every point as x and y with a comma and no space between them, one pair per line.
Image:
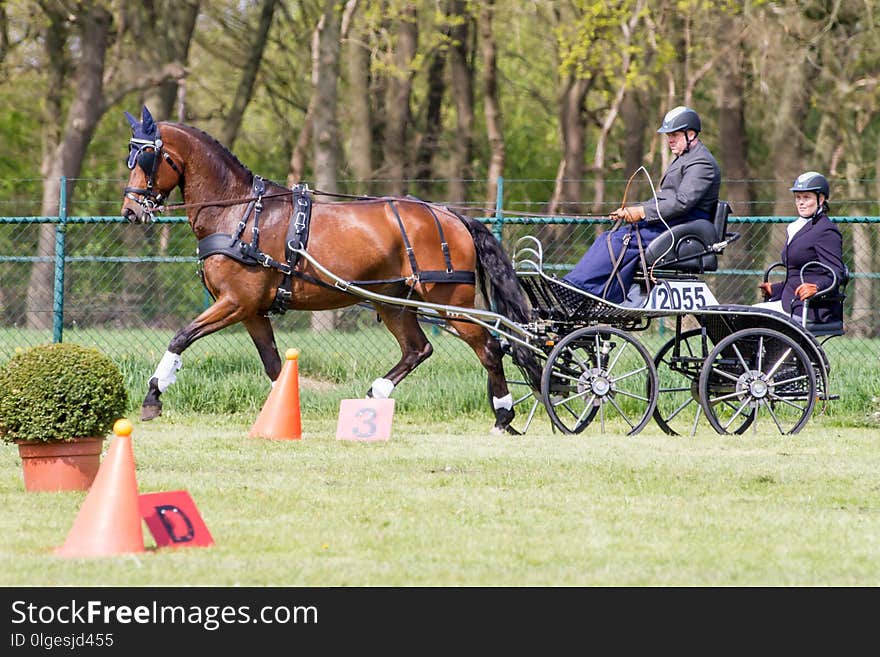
679,297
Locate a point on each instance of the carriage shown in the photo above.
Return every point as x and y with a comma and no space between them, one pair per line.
728,363
266,248
732,364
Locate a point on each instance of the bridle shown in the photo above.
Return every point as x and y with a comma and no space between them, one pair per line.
146,154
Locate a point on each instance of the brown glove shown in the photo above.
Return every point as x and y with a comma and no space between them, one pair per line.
630,215
805,290
767,289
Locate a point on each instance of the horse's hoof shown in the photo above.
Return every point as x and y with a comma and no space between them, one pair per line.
496,431
150,412
513,432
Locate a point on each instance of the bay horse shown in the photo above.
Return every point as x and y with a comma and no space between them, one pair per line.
399,247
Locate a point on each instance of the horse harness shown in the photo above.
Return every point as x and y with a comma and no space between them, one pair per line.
249,253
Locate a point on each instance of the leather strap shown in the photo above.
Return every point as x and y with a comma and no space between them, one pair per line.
648,279
615,269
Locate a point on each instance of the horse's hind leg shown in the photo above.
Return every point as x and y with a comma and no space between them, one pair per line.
414,347
491,357
224,312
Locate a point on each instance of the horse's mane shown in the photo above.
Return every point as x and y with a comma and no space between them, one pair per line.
204,136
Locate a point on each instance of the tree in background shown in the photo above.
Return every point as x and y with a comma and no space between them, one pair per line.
581,85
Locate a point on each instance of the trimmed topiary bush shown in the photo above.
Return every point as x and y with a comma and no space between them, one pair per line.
58,392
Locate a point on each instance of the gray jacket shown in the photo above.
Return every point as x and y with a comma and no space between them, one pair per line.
688,189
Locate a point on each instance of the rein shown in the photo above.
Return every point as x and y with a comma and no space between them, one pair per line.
616,260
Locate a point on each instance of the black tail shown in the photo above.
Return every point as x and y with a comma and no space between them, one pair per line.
506,295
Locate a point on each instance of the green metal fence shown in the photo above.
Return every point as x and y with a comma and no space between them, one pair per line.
109,278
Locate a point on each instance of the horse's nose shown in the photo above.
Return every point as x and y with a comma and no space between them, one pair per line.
131,214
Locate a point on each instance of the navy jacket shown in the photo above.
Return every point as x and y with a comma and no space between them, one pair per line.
689,188
819,240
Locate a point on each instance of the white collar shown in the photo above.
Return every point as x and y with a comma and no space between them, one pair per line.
796,225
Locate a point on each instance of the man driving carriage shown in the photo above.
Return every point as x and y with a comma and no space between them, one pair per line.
688,190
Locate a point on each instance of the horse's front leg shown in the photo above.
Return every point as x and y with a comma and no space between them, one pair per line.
224,312
260,330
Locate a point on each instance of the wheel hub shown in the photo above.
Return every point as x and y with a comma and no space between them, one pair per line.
595,381
754,384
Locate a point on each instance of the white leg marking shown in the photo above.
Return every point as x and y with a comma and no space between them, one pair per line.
166,371
503,402
382,388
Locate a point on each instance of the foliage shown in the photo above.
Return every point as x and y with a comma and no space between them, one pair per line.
58,392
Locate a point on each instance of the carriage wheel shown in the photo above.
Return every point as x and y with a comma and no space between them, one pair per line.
678,409
761,372
599,372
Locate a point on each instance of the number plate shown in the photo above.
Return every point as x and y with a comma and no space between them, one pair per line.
365,419
680,295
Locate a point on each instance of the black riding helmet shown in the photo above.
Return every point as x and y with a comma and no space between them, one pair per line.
680,118
811,181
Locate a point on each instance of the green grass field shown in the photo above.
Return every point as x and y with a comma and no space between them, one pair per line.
444,504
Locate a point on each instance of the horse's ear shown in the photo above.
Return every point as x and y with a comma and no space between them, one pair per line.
133,122
149,124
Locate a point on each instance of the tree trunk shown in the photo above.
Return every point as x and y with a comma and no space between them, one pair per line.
65,159
733,151
733,144
627,29
169,26
357,70
397,110
786,144
863,318
250,68
491,105
462,77
296,170
632,113
572,124
423,166
325,126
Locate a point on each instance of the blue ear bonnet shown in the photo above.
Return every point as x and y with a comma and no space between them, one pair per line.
144,134
144,130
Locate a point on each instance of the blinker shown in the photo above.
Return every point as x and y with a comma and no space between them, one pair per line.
143,154
146,161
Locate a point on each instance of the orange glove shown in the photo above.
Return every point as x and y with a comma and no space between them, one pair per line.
630,215
805,290
766,288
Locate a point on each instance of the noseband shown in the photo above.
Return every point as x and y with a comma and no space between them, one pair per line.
146,153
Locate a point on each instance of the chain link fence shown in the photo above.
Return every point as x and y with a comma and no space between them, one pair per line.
141,282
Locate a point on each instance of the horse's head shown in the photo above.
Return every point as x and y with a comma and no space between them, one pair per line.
154,173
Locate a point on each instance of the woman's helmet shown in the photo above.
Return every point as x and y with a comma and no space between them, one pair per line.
811,181
680,118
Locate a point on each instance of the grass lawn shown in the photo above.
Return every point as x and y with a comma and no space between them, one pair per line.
445,504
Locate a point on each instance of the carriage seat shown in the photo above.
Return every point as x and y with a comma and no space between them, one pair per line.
697,244
834,292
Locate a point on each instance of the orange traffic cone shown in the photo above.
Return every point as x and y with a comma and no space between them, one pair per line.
109,521
280,417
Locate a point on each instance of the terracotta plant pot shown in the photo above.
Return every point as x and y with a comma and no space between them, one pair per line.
60,465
